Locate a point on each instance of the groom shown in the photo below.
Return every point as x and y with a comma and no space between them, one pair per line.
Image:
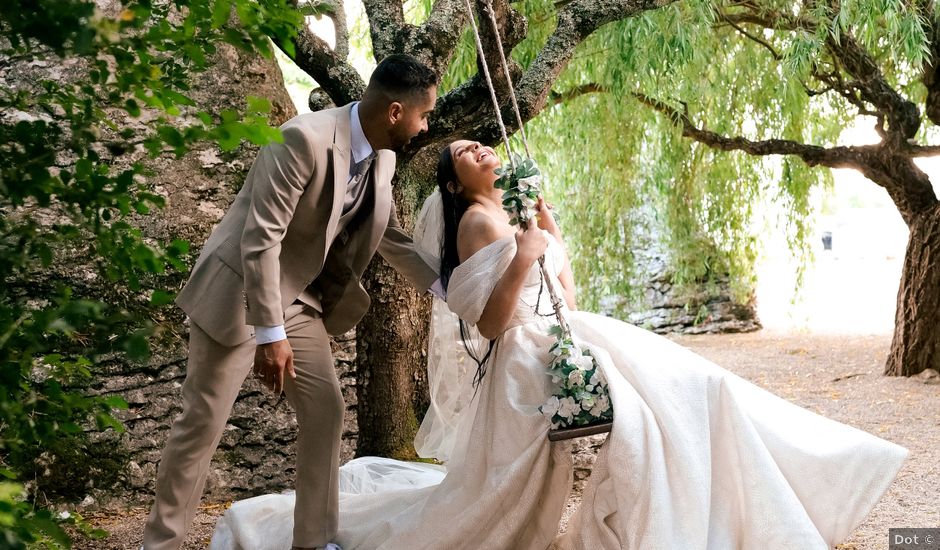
279,275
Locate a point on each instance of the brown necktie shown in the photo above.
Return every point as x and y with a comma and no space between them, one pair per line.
355,185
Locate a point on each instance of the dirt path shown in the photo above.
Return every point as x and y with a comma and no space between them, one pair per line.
836,376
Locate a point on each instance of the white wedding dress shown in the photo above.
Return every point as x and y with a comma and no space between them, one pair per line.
698,458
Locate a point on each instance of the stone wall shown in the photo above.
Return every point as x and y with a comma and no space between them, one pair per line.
661,306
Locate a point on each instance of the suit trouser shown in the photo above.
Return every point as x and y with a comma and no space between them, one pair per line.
214,375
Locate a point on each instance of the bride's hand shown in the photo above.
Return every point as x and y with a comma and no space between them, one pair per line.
531,243
545,218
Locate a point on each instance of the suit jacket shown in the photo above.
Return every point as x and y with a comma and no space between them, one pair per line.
276,238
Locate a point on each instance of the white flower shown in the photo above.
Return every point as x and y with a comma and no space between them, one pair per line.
525,184
587,401
583,362
601,405
595,379
551,406
568,407
528,205
576,378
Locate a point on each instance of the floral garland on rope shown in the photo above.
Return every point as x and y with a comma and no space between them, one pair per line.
581,396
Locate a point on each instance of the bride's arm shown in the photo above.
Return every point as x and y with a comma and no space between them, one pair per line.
547,222
478,230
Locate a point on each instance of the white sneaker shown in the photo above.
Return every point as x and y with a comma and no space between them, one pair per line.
332,546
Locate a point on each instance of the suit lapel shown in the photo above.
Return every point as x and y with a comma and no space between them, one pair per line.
341,147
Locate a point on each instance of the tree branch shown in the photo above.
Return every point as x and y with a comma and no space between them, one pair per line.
386,26
576,92
775,21
919,151
469,104
902,116
337,77
435,41
908,186
469,112
337,13
812,155
511,29
753,38
576,21
931,68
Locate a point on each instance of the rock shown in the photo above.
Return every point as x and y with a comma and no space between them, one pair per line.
929,376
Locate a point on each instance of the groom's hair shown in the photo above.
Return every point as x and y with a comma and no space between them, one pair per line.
401,77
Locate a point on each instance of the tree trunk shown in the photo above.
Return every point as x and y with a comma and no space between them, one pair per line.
391,352
916,345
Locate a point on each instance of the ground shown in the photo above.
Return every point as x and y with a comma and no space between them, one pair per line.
833,375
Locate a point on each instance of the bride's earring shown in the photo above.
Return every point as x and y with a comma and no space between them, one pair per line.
454,188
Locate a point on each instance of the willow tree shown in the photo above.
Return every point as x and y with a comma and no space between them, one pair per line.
696,108
815,67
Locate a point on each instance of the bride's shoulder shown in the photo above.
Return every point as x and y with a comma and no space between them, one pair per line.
478,230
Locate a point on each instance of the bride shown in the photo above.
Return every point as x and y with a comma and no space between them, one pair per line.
696,458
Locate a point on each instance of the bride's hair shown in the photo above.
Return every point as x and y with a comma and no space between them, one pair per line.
454,208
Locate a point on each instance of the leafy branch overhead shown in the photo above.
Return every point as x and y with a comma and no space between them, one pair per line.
818,50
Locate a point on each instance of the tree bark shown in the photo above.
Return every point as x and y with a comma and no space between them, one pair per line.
915,346
391,351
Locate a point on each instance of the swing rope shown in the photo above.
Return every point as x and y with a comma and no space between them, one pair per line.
489,83
512,92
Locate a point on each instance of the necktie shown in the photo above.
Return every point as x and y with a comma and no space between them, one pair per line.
355,185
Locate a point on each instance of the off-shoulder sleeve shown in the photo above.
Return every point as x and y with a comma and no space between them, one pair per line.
473,281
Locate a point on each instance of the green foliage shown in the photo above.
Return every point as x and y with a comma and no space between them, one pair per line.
520,180
73,178
655,185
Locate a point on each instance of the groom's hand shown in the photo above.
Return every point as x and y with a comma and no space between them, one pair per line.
272,362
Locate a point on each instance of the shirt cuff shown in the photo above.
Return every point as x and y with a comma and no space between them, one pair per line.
266,335
437,289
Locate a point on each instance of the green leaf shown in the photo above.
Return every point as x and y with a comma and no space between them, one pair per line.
132,107
136,346
162,298
258,105
115,402
221,11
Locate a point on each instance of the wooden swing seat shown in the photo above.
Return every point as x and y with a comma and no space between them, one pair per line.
561,434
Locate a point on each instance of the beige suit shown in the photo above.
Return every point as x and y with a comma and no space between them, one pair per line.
281,256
